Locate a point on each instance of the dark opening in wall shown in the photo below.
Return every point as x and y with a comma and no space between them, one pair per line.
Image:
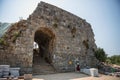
44,38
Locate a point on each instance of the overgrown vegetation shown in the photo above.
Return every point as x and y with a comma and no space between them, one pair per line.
115,59
101,55
13,33
16,34
2,41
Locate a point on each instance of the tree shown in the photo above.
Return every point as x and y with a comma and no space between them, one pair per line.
115,59
108,60
100,55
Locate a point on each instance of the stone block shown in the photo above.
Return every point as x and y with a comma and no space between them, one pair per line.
0,74
5,73
3,78
92,72
4,70
28,76
14,72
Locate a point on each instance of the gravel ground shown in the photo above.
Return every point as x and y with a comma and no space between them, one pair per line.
73,76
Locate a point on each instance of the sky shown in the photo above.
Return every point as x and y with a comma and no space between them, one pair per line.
103,15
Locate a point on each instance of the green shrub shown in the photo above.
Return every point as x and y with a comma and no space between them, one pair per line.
100,55
2,41
16,34
115,59
108,61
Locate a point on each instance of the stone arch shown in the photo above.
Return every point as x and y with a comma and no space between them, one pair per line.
45,38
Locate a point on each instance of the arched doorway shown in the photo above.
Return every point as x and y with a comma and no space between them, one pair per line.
42,55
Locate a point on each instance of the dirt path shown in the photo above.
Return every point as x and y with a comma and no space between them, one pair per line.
72,76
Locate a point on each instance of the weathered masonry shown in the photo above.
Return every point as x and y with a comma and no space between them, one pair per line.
62,39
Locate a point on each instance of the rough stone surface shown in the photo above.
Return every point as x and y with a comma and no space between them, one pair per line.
4,70
71,37
14,72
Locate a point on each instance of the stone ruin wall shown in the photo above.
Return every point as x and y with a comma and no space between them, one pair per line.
74,39
15,47
74,36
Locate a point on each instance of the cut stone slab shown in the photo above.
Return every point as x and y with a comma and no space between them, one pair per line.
92,72
27,76
4,70
14,72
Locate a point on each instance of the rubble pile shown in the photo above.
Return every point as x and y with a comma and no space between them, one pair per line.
109,70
